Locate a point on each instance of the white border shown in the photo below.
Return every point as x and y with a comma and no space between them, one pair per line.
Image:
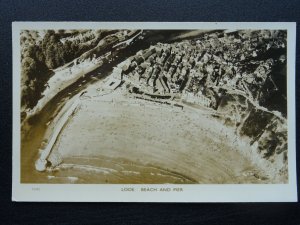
191,193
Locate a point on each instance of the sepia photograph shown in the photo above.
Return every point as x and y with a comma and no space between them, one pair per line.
142,105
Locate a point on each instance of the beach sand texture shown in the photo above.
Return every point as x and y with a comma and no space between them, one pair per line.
118,139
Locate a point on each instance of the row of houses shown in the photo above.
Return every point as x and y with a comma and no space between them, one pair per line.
198,98
162,67
168,68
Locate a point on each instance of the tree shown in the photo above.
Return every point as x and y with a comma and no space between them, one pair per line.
50,57
40,56
29,66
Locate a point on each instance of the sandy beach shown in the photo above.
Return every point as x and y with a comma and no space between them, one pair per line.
117,138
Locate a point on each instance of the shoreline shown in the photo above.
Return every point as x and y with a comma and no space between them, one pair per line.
134,111
261,166
55,84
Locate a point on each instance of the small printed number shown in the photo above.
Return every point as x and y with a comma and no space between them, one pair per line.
36,189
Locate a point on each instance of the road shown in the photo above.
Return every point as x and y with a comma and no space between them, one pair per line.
33,132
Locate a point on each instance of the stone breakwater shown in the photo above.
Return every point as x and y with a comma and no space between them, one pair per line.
41,163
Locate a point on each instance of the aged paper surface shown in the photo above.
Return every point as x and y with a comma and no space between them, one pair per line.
154,112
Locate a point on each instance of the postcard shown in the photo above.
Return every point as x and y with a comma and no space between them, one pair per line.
154,112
